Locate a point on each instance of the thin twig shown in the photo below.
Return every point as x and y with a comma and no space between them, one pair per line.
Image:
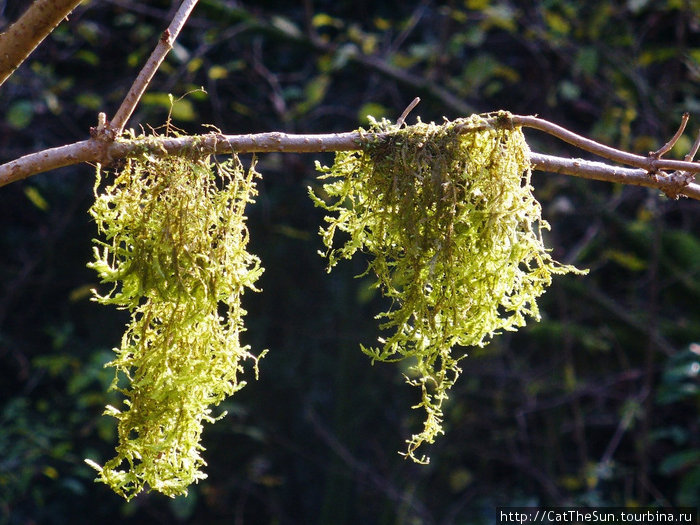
406,111
693,151
165,44
687,177
669,145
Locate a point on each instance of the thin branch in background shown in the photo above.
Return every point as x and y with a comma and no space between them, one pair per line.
623,314
630,413
381,65
652,307
200,52
384,485
139,7
276,95
23,37
597,389
591,232
144,78
415,17
445,96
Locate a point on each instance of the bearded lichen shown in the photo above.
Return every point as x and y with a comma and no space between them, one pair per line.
174,250
453,233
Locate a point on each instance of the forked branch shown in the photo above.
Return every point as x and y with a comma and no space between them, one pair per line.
673,177
651,163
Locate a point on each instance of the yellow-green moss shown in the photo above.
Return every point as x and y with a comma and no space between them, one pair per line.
453,234
173,246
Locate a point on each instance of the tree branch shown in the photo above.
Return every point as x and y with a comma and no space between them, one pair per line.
668,184
647,173
22,37
40,19
650,163
165,44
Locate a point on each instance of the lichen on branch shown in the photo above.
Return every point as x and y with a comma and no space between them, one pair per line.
173,247
453,235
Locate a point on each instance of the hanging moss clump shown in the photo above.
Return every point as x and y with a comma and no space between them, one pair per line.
447,217
174,247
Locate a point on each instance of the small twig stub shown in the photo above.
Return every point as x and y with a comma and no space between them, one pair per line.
402,119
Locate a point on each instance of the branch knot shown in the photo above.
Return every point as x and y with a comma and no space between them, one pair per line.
103,132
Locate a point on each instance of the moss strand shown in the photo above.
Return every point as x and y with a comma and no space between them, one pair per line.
173,248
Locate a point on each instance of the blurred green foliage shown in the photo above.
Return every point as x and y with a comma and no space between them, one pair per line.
596,404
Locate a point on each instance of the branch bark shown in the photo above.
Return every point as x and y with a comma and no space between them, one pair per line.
649,170
22,37
586,169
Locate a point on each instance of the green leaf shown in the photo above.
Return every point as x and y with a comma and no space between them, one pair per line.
89,100
217,72
680,461
557,23
183,507
684,248
371,110
314,93
586,61
679,379
627,260
36,198
20,114
286,26
689,490
325,20
87,56
183,109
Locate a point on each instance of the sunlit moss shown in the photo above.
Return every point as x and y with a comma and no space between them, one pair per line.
173,247
453,234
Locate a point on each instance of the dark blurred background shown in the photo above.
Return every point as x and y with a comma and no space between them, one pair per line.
597,404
